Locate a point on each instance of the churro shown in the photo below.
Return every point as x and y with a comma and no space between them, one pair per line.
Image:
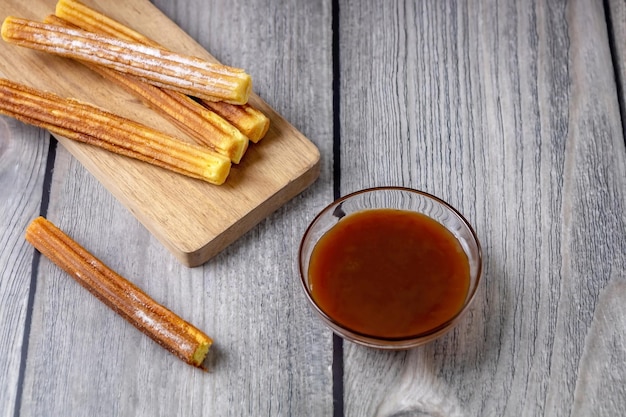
85,123
250,121
162,325
202,125
189,75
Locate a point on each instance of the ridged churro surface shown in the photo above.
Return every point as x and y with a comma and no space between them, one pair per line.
162,325
203,126
89,124
187,74
250,121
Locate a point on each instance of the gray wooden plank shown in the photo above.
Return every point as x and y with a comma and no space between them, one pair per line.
23,153
270,356
508,111
617,15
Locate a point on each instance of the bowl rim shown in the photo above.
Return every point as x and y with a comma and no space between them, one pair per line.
373,340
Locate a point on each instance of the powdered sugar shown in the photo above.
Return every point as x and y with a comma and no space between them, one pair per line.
152,64
163,332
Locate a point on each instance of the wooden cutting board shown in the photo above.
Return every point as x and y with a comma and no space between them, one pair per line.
193,219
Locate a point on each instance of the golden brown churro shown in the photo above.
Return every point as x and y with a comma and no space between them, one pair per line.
162,325
186,74
89,124
250,121
204,126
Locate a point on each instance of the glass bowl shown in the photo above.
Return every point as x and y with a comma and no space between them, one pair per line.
398,198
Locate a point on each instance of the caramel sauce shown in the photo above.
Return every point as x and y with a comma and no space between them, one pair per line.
389,273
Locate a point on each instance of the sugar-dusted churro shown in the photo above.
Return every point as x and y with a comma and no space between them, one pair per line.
204,126
186,74
250,121
89,124
162,325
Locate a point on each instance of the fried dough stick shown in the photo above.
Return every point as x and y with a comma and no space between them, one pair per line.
85,123
160,324
250,121
186,74
204,126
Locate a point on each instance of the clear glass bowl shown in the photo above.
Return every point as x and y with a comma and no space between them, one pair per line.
402,199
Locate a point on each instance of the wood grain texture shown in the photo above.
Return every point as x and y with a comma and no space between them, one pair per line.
617,15
193,219
271,357
23,152
507,111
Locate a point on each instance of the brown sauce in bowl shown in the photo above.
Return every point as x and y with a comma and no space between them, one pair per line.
389,273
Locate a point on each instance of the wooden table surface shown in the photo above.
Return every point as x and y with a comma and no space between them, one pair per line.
509,110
